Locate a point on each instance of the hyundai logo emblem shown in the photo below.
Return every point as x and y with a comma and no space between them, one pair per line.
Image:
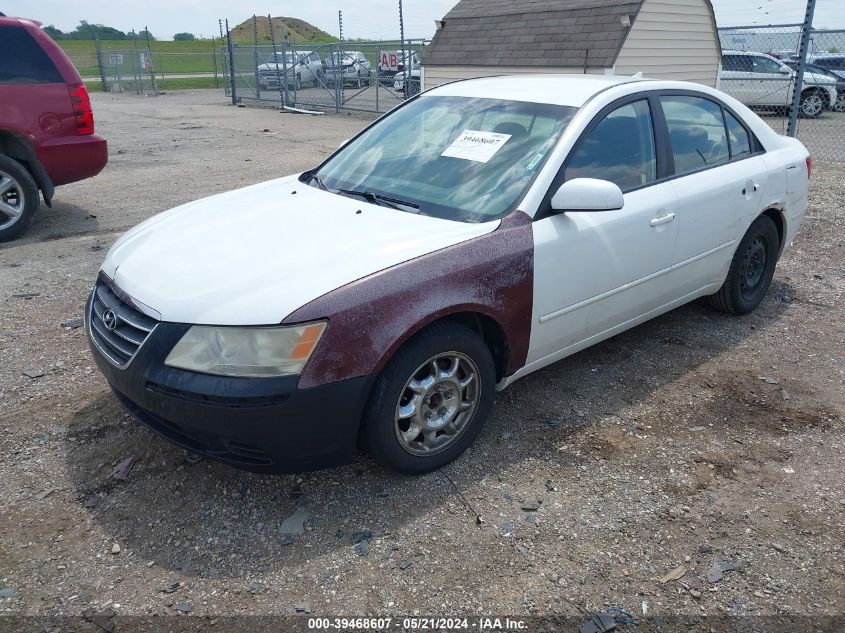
110,320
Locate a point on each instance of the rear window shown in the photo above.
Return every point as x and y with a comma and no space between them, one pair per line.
23,61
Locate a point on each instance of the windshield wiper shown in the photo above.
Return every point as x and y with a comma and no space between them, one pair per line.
385,201
313,177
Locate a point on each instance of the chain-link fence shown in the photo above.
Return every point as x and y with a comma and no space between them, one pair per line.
762,67
133,67
363,76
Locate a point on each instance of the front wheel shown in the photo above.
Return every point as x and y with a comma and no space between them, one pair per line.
431,400
839,106
19,200
812,104
751,270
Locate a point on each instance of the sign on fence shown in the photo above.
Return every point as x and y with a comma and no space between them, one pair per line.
116,59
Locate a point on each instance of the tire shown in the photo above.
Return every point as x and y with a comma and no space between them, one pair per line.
19,199
839,106
453,407
316,82
297,83
813,103
749,276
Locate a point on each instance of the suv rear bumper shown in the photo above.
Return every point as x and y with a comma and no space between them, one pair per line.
70,158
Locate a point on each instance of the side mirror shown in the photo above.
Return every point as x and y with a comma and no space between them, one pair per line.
785,70
588,194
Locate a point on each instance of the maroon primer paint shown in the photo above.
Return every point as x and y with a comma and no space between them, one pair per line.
371,318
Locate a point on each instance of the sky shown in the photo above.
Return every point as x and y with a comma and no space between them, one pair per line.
361,18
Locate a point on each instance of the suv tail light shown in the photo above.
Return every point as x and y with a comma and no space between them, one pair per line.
809,167
82,112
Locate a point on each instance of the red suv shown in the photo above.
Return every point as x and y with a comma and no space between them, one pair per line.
46,124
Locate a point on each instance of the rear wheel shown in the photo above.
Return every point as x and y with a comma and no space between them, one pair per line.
751,270
839,106
431,400
18,198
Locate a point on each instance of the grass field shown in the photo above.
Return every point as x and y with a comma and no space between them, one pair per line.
168,57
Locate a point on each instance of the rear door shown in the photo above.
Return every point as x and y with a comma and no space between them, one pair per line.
34,97
737,78
596,273
719,182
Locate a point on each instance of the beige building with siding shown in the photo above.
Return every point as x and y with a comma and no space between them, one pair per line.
662,39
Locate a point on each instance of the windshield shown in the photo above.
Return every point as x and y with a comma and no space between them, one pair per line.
344,58
280,58
464,159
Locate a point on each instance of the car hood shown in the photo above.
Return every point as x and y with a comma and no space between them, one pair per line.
255,255
819,79
274,67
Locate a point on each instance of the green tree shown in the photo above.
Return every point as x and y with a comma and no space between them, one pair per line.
184,37
86,31
145,34
55,33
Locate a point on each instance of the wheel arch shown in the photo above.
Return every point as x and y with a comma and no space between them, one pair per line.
777,216
17,147
824,94
473,318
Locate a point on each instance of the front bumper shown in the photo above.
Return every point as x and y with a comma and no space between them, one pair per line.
259,424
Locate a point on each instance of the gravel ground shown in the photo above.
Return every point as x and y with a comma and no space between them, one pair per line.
693,440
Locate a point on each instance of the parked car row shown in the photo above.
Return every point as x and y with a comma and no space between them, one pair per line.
761,80
307,68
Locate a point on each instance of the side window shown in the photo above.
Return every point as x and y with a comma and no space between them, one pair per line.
23,61
765,65
696,132
737,63
619,149
740,141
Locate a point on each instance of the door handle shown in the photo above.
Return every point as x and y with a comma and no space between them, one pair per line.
664,220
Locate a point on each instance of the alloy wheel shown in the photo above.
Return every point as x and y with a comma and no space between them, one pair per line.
437,403
12,200
812,105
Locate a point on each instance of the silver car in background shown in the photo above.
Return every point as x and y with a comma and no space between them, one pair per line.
302,68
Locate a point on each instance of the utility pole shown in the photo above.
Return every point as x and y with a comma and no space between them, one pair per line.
803,48
340,24
405,59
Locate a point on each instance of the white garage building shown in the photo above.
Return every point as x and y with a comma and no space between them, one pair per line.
663,39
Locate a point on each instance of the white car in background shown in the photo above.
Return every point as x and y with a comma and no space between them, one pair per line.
762,81
477,233
303,68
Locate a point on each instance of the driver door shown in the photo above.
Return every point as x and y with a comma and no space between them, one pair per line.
597,273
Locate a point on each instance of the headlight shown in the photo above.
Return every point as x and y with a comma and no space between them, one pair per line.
257,352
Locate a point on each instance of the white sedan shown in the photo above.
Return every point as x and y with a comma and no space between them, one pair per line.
481,231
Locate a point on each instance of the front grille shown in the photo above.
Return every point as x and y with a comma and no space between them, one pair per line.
120,343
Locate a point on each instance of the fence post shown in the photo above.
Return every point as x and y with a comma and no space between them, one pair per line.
255,55
214,61
282,96
150,58
100,65
806,30
231,64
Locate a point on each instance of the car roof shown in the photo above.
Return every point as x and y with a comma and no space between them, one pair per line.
566,90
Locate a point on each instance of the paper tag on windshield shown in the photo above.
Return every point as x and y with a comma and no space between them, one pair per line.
476,146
